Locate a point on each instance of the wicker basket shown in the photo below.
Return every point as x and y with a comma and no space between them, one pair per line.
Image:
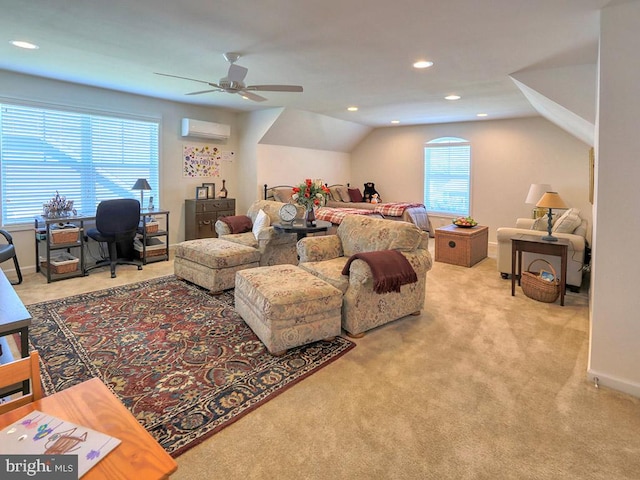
64,235
535,287
149,226
62,263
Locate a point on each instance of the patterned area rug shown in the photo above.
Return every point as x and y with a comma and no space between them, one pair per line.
183,361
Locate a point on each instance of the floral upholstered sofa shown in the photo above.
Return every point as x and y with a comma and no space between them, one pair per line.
363,308
276,248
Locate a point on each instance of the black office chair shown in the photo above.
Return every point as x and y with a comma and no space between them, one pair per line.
116,225
8,251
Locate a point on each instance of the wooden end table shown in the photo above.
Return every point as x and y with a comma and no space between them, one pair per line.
534,244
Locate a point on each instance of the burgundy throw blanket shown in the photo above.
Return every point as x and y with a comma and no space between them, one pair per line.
238,223
390,269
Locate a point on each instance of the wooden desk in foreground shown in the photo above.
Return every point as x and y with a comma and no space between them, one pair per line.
93,405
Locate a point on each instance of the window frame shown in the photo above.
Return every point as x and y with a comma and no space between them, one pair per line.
84,162
447,142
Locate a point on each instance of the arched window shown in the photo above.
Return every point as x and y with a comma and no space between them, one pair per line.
447,176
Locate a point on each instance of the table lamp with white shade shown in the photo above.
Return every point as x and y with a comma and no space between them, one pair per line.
536,191
550,200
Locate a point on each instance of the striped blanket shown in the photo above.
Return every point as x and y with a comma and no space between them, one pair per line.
394,209
335,215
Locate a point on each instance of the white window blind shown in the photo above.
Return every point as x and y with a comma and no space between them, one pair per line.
86,158
447,170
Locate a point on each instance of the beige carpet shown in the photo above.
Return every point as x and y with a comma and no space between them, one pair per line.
482,385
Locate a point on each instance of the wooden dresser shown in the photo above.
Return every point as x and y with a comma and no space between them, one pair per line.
200,216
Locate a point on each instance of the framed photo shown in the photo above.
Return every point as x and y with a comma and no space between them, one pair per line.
201,193
211,189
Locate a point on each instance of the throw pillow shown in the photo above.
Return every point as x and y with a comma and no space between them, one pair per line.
237,223
334,195
262,221
282,195
344,194
542,223
355,195
568,222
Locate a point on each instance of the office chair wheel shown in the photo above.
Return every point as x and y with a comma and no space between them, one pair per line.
139,267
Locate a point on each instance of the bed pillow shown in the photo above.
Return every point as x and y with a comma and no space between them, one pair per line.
262,221
282,194
568,222
334,195
355,195
344,193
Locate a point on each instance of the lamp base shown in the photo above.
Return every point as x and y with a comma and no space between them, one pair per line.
550,238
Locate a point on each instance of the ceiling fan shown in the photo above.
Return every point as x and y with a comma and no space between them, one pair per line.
234,82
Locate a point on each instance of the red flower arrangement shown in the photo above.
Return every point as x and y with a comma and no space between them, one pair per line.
310,193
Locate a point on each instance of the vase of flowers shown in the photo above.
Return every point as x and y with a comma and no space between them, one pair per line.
310,194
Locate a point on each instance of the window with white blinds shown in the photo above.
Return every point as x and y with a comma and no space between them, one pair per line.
86,158
447,172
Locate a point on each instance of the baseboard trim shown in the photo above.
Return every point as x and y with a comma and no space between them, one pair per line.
623,386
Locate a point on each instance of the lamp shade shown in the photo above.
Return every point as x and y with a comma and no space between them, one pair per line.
551,200
536,191
141,184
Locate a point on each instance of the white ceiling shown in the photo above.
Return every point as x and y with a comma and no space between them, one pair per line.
343,52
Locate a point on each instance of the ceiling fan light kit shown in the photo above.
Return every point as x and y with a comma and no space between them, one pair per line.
234,82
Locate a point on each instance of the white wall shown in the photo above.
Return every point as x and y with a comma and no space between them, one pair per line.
175,189
280,165
615,303
507,156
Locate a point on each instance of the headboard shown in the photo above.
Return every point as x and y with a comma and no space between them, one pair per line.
268,191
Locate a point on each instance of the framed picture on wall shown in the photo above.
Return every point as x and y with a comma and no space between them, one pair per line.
201,193
211,189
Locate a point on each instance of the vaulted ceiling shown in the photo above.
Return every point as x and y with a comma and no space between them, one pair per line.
343,52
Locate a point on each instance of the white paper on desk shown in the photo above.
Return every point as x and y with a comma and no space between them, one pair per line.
41,434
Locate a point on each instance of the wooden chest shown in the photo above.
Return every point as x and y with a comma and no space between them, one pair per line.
461,246
201,216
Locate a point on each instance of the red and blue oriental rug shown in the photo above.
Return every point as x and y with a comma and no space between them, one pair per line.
184,362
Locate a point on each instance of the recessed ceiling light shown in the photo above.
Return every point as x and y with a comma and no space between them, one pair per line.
422,64
395,121
452,97
481,115
352,109
23,44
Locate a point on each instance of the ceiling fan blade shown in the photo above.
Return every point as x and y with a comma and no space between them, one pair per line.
183,78
236,73
203,91
251,96
275,88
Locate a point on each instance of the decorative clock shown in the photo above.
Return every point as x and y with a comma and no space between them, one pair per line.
288,212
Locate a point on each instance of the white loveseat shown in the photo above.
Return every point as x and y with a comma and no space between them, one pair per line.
528,226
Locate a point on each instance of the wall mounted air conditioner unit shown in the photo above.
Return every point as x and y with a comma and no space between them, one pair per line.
201,129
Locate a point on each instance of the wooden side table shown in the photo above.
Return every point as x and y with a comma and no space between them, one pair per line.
461,246
534,244
14,318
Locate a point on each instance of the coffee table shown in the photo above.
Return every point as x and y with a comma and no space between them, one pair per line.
300,228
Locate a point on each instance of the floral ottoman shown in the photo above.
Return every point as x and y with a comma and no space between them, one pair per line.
212,263
287,307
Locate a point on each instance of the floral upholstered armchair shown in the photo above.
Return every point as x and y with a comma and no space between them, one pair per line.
276,248
363,308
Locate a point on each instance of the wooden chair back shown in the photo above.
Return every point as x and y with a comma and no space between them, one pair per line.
15,373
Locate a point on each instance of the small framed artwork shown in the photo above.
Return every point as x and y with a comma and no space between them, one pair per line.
201,193
211,189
